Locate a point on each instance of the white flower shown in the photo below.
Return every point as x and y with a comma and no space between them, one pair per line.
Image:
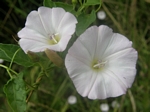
104,107
101,15
47,29
101,63
72,99
115,104
1,60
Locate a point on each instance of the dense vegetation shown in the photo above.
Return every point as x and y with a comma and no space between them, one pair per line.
128,17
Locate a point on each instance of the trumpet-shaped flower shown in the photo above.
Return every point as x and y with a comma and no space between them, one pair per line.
47,29
101,63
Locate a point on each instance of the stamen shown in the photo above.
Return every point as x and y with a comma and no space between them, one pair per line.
53,37
100,64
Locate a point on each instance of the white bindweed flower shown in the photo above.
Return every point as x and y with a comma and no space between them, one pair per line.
101,15
47,28
72,99
1,60
101,63
115,104
104,107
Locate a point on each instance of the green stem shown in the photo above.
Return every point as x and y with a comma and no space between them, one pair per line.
99,6
132,100
8,70
81,8
30,87
65,107
13,58
31,92
80,1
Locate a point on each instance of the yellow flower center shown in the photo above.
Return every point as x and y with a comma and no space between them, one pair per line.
98,65
54,39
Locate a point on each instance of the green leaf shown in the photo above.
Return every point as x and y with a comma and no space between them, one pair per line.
7,51
84,21
16,93
66,7
49,3
93,2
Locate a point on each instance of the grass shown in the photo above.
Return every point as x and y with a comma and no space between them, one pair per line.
127,17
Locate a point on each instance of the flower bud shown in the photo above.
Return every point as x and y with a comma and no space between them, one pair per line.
1,61
54,57
74,1
104,107
72,99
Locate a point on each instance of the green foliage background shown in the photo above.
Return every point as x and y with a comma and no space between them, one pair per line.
128,17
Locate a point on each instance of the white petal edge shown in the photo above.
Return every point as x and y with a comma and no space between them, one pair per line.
34,22
37,46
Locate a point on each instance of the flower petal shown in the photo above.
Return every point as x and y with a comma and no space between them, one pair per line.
82,83
34,22
98,89
27,33
45,15
66,28
57,16
79,54
106,86
32,45
75,66
114,85
117,43
123,64
88,39
104,36
37,46
67,24
109,42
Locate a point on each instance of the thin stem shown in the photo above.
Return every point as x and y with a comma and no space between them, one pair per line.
81,8
80,1
99,6
84,1
30,87
8,70
132,101
31,92
9,73
65,107
121,103
13,58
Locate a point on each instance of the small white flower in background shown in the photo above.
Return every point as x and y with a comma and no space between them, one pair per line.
101,63
101,15
104,107
72,99
115,104
1,60
47,28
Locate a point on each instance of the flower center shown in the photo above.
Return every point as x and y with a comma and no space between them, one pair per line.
54,39
99,65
